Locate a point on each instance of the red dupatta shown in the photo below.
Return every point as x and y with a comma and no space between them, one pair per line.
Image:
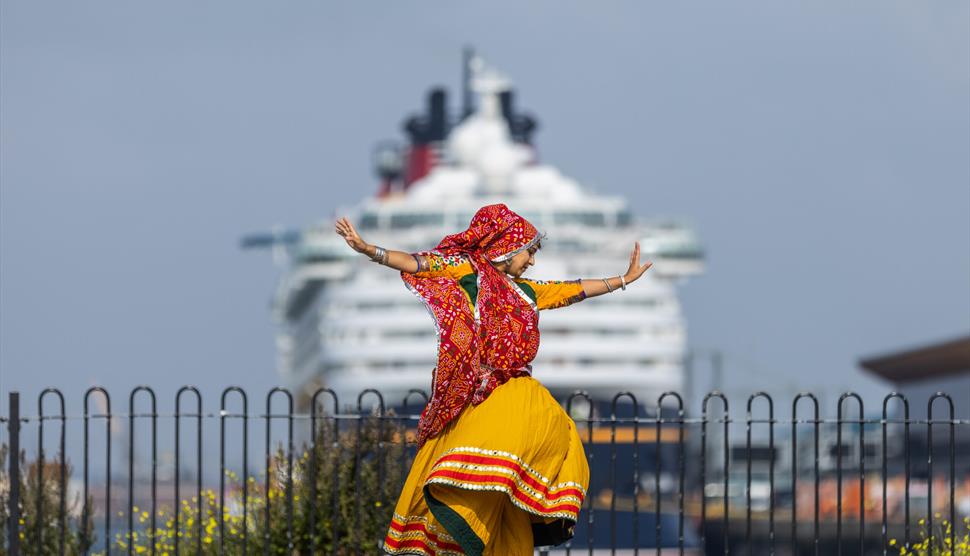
479,349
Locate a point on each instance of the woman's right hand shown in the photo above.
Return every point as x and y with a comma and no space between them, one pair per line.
350,235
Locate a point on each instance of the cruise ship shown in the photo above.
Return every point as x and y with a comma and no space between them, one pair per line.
348,324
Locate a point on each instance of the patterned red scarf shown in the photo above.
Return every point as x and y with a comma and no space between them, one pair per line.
481,349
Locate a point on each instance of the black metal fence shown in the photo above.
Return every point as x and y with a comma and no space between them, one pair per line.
670,483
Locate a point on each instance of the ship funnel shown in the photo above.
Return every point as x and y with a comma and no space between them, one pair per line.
426,132
521,126
507,98
436,110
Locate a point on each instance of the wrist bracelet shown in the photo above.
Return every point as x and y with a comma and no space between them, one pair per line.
380,255
609,288
622,283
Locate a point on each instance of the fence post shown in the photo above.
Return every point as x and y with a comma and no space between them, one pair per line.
13,429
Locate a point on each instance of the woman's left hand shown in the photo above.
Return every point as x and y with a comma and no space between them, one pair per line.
636,270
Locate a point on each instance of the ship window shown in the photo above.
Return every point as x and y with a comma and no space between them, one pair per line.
624,218
368,221
374,305
406,334
597,219
409,220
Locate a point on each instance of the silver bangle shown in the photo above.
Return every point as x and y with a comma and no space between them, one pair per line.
380,255
609,288
622,283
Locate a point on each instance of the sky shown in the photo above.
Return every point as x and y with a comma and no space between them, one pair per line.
821,149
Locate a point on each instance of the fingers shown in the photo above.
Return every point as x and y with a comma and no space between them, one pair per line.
350,226
345,228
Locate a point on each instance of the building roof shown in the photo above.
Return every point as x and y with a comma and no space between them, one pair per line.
949,358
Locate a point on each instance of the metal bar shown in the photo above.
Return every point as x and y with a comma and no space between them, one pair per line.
86,513
816,433
636,467
589,459
794,469
885,468
929,452
288,489
13,511
771,480
613,478
314,404
40,520
840,420
222,466
862,481
357,461
680,463
906,446
131,466
335,484
771,471
198,491
838,480
727,455
658,526
569,412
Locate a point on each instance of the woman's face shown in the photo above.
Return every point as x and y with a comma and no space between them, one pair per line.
519,263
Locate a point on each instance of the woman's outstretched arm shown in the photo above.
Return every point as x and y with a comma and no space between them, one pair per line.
399,260
598,286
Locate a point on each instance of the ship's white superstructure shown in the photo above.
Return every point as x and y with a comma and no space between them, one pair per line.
349,324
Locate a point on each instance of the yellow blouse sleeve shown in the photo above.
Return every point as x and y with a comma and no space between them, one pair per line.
553,294
434,264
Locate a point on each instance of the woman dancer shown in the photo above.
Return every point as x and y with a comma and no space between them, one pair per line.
500,467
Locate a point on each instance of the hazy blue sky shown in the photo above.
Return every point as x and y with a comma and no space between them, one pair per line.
822,149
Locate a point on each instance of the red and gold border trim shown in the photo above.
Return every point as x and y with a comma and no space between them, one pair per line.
477,469
414,535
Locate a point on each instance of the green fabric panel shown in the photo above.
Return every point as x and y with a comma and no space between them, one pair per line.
469,283
455,525
528,291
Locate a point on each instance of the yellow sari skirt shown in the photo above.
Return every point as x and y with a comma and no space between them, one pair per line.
505,476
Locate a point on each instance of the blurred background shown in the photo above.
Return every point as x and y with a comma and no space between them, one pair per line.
819,151
799,173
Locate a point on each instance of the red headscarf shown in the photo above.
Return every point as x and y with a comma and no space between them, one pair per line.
481,349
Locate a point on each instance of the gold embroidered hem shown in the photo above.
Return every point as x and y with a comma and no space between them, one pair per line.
505,475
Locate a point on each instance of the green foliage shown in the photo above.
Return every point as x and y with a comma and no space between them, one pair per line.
937,542
40,511
332,507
